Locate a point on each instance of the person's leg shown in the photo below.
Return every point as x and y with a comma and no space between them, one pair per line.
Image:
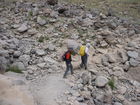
71,68
82,61
67,69
85,61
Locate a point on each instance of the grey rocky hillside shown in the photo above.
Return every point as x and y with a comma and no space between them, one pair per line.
33,37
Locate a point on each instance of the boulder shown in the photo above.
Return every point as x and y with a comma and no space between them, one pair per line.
72,44
22,28
41,21
132,54
86,77
101,81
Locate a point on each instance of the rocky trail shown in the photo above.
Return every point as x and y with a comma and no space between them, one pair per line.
49,89
35,34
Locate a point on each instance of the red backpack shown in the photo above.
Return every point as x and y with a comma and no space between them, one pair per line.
66,56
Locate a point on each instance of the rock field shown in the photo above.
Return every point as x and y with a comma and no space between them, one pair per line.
33,37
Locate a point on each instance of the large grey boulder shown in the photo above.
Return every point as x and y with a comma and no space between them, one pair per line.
101,81
72,44
41,21
132,54
22,28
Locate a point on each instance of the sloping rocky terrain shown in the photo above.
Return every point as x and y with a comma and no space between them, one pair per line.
34,35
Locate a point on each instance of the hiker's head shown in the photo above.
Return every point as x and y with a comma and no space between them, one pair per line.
88,45
70,50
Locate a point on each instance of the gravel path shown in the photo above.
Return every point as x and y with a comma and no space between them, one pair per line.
49,89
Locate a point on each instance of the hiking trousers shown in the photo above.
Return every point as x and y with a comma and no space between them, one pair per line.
84,61
69,67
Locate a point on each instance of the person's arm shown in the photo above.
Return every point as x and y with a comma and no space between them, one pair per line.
87,51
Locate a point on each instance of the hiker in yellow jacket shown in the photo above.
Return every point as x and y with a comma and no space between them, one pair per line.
84,52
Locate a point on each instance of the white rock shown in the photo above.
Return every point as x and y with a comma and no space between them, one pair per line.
101,81
51,47
40,52
41,65
22,28
117,103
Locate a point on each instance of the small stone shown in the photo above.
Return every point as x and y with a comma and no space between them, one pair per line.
103,44
40,52
30,72
117,103
41,21
16,54
86,94
132,54
123,55
101,81
41,65
22,28
51,47
133,62
80,99
32,31
122,89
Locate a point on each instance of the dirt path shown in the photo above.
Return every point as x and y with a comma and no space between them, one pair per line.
49,89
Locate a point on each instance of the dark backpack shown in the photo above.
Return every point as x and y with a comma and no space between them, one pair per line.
64,56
